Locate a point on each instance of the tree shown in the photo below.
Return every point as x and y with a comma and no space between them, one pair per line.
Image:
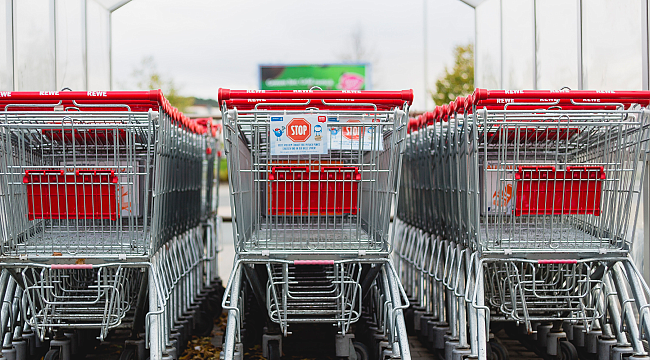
360,51
148,78
460,80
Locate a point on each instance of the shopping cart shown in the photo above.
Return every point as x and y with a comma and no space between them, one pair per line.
94,184
313,176
536,195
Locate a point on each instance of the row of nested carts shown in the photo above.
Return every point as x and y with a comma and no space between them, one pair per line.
518,211
518,214
108,224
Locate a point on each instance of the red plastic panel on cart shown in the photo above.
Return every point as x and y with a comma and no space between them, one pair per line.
83,136
308,191
525,135
541,190
88,194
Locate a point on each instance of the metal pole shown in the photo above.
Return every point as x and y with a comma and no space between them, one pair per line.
644,44
535,44
425,49
580,74
155,341
645,265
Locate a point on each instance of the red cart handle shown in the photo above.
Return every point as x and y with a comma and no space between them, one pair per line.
290,168
340,168
521,169
227,94
29,173
95,96
250,103
139,101
564,104
592,169
45,171
484,94
287,168
95,172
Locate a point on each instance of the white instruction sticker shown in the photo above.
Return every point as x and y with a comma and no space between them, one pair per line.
299,134
360,135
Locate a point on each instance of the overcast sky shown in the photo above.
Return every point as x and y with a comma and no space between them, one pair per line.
205,45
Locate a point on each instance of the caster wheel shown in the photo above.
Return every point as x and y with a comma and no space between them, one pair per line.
490,354
567,351
274,350
53,354
128,354
361,350
499,351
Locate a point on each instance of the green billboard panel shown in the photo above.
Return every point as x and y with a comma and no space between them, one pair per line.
304,77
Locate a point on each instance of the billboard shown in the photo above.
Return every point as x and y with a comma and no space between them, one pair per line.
304,77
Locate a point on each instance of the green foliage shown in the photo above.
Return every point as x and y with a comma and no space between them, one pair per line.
148,78
460,80
223,170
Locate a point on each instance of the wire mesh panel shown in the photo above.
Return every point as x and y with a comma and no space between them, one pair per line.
76,182
320,177
80,298
557,179
79,179
543,290
299,293
529,176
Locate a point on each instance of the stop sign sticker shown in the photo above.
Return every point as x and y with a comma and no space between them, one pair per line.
298,130
352,132
298,134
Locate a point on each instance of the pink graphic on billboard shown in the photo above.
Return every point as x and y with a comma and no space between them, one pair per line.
351,81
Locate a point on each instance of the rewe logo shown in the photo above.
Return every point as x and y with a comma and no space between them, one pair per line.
352,132
5,93
298,130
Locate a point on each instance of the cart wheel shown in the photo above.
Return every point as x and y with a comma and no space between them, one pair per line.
490,353
568,351
128,354
274,350
499,352
53,354
361,350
